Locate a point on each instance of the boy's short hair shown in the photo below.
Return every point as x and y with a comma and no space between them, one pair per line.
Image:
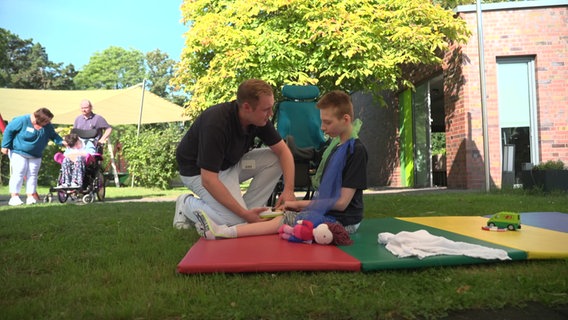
250,91
71,139
339,101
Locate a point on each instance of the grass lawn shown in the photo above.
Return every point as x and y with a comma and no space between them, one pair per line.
117,260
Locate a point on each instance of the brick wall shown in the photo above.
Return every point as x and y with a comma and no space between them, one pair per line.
538,32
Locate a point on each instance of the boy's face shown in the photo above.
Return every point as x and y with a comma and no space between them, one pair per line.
331,125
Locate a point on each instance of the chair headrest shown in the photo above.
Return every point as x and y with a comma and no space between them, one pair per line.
85,134
296,92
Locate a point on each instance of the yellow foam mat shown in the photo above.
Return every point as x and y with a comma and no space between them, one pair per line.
539,243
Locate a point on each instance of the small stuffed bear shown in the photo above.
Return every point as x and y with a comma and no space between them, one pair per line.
324,234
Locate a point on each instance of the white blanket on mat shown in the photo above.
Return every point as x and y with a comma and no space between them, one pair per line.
423,244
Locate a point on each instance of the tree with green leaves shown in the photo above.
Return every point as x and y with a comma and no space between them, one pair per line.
335,44
118,68
25,65
160,72
113,68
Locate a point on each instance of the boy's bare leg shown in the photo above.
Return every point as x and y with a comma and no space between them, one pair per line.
259,228
212,231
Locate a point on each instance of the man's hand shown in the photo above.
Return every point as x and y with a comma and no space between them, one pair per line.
286,195
4,150
253,215
287,164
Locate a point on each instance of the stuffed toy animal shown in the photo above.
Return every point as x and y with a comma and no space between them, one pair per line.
324,234
332,233
302,232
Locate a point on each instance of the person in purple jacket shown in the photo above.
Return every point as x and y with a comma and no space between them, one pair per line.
88,120
24,140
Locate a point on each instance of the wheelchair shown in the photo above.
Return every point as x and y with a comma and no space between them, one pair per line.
298,121
93,179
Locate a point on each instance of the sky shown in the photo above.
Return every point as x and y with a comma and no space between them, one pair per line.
71,31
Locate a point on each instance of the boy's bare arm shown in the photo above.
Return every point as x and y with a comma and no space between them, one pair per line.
294,205
344,199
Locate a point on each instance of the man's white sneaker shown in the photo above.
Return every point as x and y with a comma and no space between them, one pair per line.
31,200
15,201
180,220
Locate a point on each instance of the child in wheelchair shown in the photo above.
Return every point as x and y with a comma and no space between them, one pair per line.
74,162
80,173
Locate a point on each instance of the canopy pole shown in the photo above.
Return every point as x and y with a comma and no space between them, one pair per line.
113,164
139,124
481,52
141,107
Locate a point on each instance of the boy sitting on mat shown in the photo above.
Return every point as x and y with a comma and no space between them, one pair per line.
340,195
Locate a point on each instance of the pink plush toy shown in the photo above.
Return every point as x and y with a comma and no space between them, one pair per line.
325,233
301,232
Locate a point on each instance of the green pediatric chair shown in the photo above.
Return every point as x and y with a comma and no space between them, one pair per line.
298,121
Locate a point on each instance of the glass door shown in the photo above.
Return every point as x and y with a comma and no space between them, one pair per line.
517,110
421,123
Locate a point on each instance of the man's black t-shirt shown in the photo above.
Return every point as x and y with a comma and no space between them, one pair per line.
354,176
216,140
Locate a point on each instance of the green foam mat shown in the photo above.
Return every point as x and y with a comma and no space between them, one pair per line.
374,256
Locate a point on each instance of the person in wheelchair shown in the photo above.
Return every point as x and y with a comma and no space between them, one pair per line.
74,161
340,195
92,128
80,177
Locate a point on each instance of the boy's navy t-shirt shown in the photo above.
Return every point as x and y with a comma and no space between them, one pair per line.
216,140
354,176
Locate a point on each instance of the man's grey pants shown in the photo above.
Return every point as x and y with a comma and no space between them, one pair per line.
262,165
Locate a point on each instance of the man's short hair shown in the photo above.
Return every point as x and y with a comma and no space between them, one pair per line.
86,103
250,91
339,101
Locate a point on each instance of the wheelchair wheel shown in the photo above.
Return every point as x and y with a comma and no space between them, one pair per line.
62,196
88,198
100,186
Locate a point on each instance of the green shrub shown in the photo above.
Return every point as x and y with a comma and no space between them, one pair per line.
151,155
550,165
4,169
49,170
438,142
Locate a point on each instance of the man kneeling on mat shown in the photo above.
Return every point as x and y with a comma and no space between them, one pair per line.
340,195
217,154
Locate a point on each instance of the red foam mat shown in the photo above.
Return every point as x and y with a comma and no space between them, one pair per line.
263,254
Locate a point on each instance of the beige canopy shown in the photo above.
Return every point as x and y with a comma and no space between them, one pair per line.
122,106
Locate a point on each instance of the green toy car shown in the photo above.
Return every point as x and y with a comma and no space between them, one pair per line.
505,220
